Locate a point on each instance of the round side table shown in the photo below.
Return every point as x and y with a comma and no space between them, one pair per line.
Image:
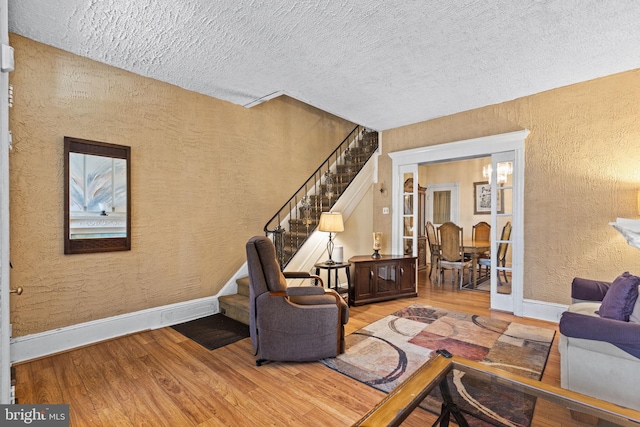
335,267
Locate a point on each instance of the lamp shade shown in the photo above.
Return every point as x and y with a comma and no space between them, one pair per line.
331,222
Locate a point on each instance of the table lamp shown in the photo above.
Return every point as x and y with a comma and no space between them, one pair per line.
331,222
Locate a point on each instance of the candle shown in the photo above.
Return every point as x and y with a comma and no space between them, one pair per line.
377,244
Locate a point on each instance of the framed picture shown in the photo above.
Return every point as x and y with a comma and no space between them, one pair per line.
482,199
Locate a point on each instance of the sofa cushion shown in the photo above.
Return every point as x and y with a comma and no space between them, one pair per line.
621,297
635,314
586,308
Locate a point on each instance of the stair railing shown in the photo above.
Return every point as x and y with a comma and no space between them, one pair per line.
292,225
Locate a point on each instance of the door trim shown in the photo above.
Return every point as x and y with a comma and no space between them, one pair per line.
5,319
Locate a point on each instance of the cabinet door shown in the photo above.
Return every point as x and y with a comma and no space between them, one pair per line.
386,279
363,281
407,276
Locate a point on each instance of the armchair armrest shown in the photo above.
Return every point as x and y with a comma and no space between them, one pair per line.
588,290
302,275
624,335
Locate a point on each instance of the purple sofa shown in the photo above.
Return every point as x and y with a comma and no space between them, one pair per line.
600,340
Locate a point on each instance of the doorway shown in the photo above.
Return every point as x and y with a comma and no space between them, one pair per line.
500,148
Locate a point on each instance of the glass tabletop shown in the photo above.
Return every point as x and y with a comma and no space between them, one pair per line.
471,393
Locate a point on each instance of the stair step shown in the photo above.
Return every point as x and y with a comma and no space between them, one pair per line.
337,187
243,286
299,231
343,174
321,203
236,307
297,234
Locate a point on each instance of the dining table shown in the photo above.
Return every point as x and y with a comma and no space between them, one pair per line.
474,248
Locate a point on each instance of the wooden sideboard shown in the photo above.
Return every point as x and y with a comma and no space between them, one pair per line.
381,279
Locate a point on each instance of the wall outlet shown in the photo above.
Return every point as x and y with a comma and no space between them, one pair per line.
385,211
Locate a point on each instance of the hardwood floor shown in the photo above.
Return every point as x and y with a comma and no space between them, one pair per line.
159,377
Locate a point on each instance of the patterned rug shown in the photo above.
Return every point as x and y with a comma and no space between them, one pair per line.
386,352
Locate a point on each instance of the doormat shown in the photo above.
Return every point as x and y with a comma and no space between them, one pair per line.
213,331
386,352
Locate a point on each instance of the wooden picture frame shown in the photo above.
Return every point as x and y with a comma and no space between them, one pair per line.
100,227
482,199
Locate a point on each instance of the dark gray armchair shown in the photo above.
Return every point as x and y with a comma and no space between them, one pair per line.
297,323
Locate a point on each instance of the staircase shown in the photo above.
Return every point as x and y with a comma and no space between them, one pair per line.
290,227
298,218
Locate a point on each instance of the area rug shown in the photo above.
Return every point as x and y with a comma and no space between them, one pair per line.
213,331
386,352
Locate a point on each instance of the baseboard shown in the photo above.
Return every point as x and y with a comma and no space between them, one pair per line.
543,310
49,342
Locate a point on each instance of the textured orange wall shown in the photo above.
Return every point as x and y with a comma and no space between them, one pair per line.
206,175
582,171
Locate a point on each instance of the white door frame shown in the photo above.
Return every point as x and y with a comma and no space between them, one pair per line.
466,149
5,326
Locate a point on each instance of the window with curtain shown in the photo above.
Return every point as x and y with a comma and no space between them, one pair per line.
441,207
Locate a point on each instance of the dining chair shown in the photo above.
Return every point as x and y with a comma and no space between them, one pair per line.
501,256
451,255
432,241
482,231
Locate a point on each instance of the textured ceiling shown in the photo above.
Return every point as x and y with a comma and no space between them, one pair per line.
379,64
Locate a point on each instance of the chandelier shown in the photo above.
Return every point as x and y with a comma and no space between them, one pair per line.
504,170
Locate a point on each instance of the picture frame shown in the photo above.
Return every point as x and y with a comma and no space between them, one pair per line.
482,199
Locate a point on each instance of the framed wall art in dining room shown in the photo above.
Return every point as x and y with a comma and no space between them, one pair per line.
482,199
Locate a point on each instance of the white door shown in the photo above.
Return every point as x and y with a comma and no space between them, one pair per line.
506,274
5,327
405,214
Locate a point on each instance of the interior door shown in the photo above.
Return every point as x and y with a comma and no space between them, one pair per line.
5,328
504,281
405,215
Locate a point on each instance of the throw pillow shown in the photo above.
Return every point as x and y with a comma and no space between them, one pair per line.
635,314
620,298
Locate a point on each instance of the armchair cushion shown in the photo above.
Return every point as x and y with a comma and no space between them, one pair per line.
295,291
619,300
327,296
